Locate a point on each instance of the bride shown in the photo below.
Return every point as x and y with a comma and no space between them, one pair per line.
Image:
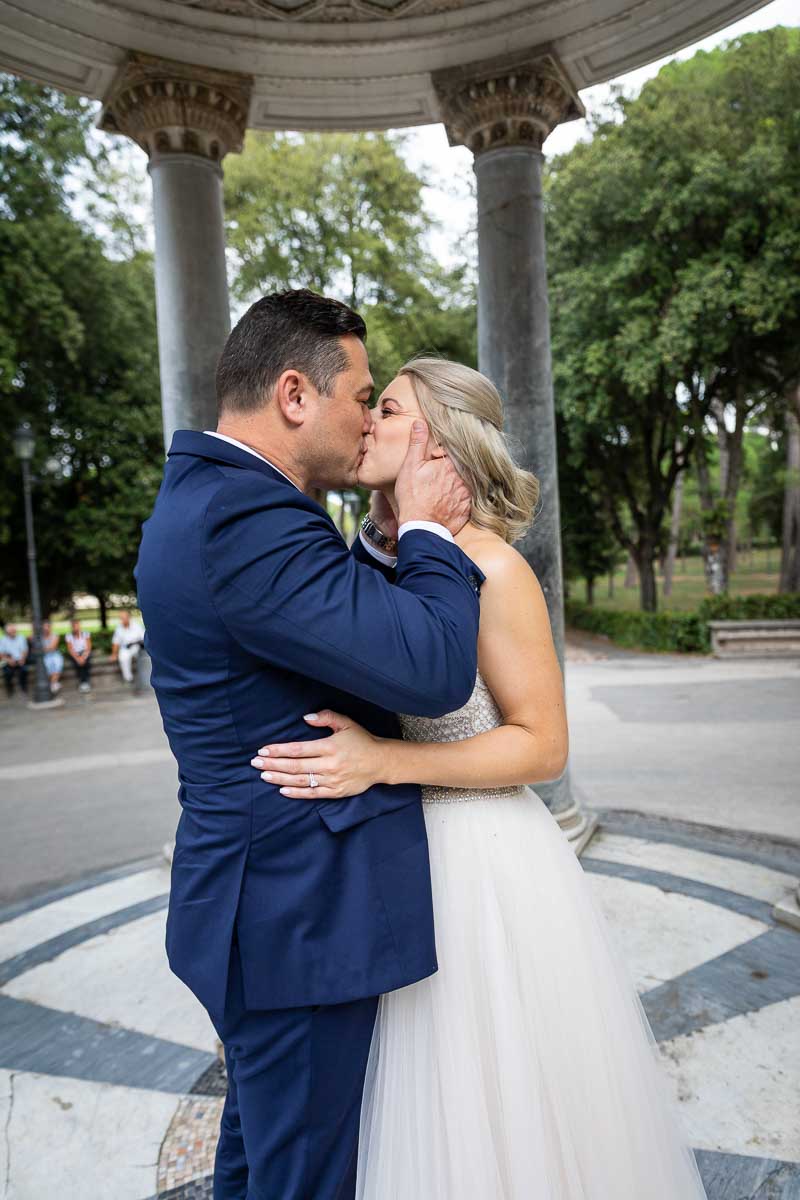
525,1069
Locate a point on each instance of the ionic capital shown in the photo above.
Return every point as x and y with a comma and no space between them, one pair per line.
170,107
517,99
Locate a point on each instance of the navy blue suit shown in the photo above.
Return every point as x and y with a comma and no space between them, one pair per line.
257,613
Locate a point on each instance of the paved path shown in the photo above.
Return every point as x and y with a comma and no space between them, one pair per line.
92,785
82,788
108,1062
705,740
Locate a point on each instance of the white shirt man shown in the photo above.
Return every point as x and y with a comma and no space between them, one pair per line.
14,657
126,643
13,646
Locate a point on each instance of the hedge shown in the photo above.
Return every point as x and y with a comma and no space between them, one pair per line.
679,631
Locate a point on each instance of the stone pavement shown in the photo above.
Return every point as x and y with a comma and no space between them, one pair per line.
109,1084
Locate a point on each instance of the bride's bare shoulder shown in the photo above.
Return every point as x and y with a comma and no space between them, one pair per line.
494,556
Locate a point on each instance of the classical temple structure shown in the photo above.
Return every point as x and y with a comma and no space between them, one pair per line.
184,79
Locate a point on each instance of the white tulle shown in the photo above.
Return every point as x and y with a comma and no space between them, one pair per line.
525,1069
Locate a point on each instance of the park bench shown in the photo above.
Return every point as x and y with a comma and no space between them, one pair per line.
749,639
106,675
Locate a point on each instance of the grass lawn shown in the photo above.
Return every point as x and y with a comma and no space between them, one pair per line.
755,572
89,619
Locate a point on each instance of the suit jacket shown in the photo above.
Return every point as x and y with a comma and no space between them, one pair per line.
255,614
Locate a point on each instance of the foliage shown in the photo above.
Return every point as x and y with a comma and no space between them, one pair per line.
588,546
343,214
324,211
674,245
751,608
765,508
77,359
664,631
678,632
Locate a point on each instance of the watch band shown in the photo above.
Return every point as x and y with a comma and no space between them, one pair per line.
377,537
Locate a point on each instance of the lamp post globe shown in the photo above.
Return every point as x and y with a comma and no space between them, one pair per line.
24,441
24,446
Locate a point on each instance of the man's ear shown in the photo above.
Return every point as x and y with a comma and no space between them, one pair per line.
289,394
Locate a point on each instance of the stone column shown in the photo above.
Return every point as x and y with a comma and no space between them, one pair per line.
186,119
503,109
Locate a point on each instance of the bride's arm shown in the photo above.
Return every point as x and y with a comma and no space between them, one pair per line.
516,658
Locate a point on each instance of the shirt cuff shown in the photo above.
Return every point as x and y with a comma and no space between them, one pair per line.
431,526
388,560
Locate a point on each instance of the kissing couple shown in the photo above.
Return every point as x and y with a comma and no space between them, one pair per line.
417,995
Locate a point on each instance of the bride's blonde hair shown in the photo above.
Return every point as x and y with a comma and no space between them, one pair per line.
465,415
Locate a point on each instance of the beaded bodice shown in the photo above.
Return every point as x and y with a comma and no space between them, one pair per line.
479,715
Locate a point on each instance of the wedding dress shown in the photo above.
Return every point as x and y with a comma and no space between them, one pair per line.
525,1069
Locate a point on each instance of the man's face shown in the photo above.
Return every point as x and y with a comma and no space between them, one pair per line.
341,422
125,618
11,630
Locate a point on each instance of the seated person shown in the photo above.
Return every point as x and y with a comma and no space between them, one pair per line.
53,658
14,656
126,643
79,646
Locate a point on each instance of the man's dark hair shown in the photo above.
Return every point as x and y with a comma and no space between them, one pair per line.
287,330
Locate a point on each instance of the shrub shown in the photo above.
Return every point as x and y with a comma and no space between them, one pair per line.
679,632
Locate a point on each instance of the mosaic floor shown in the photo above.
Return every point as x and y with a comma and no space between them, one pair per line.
110,1085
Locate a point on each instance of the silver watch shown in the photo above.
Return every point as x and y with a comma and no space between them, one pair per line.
378,539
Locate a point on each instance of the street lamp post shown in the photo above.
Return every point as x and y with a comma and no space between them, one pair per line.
24,443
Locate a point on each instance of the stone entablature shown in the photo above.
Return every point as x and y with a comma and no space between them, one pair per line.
514,100
329,10
167,107
342,64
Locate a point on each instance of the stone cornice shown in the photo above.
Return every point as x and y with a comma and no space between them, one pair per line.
168,107
515,100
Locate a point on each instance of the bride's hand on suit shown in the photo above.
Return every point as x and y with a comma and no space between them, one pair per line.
344,764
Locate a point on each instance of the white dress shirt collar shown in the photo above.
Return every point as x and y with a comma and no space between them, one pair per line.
224,437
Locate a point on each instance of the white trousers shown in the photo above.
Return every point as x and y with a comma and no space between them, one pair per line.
127,657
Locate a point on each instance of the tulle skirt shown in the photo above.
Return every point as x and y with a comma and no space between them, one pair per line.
525,1069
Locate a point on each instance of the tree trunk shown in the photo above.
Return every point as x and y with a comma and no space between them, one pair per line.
712,565
645,561
631,572
790,552
610,584
103,602
674,531
590,591
729,487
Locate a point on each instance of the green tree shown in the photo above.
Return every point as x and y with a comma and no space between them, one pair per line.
675,248
614,391
589,547
77,359
327,211
343,214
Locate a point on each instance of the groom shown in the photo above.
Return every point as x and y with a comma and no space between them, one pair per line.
287,919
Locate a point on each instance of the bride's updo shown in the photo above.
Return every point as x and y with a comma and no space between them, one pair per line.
465,415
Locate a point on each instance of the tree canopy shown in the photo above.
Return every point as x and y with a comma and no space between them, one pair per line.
674,242
78,360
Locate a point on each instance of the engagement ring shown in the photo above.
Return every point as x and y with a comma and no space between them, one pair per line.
312,780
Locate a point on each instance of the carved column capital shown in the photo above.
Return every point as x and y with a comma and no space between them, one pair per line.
517,99
172,108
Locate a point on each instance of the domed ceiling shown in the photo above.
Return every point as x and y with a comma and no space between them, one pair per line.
345,64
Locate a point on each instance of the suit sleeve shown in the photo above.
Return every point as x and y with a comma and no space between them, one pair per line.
290,592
